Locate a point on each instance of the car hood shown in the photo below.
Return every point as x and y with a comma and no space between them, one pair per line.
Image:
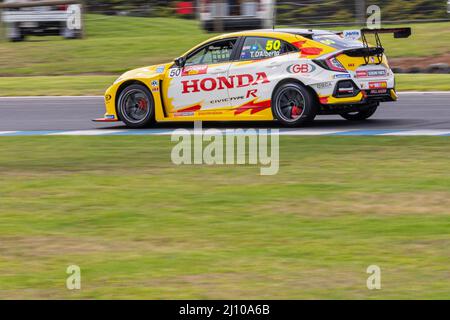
145,72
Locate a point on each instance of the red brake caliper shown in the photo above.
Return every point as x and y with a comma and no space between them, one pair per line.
142,104
296,111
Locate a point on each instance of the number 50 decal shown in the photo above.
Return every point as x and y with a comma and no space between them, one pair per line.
175,72
273,45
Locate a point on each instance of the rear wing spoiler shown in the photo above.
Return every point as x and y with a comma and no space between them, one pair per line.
398,32
378,50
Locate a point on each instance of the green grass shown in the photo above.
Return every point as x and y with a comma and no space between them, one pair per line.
55,85
141,227
423,82
116,44
112,45
96,85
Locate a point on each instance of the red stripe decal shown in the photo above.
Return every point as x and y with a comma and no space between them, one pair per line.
255,107
190,109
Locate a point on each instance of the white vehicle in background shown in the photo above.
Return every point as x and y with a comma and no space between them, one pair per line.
41,18
236,14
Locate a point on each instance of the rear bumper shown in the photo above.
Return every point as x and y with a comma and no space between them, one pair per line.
362,97
354,104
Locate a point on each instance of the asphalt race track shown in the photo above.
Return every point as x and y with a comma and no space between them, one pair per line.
414,114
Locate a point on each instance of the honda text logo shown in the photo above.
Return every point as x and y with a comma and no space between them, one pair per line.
220,83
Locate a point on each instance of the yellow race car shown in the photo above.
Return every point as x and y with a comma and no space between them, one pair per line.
288,75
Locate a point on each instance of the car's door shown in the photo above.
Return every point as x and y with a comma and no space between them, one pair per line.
201,85
261,63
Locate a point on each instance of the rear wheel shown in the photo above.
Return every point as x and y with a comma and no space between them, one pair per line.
293,105
135,106
365,113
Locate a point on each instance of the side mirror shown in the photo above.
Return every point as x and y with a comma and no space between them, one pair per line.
179,62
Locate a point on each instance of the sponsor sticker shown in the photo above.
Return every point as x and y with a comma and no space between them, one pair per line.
301,68
194,70
352,34
361,74
378,85
342,76
183,114
324,85
210,112
370,73
154,83
378,91
160,69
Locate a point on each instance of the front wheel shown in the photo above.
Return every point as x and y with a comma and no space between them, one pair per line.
135,106
293,105
365,113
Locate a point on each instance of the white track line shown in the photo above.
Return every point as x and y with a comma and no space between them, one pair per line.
405,93
307,132
97,132
310,132
421,132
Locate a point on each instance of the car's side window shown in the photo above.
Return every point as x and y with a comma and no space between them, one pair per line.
216,52
256,48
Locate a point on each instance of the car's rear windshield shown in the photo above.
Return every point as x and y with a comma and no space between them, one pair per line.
336,41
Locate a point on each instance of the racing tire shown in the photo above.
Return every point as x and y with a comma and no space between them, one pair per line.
136,107
293,104
365,113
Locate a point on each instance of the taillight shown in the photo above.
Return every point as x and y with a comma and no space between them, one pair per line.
62,7
331,63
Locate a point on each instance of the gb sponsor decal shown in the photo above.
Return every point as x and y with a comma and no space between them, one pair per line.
301,68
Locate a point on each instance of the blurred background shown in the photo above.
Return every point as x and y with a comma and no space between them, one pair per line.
140,227
114,35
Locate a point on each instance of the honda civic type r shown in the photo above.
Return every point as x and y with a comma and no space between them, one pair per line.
288,75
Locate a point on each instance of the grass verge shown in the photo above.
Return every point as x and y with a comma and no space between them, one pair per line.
141,227
96,85
115,44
